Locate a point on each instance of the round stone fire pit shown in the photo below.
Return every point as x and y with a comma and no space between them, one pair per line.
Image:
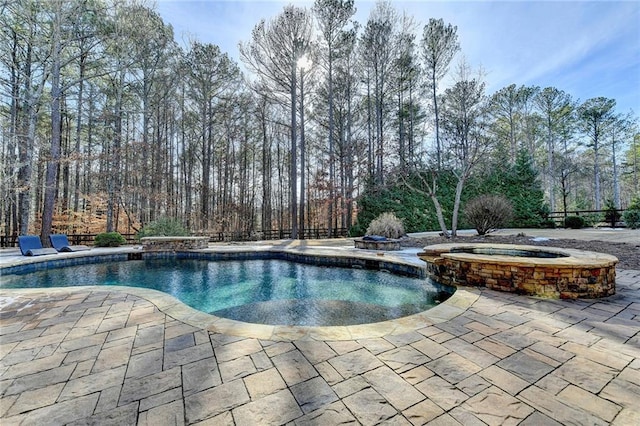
532,270
377,242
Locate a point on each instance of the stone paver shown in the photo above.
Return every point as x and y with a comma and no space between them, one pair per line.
116,356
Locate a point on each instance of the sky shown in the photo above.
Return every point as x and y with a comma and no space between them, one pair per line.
586,48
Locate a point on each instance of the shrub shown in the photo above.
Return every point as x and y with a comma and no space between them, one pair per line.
631,216
488,212
574,222
386,225
413,208
109,239
611,214
163,227
592,219
520,184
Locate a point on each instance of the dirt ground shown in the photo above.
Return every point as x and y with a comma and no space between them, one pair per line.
627,253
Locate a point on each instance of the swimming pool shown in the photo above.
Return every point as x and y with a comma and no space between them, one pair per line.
264,291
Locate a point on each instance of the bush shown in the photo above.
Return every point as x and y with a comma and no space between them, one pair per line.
592,219
611,214
574,222
631,216
163,227
386,225
488,212
109,239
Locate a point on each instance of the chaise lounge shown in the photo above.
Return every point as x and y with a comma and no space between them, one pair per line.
60,242
30,245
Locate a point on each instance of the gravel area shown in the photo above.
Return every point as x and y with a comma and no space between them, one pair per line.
627,253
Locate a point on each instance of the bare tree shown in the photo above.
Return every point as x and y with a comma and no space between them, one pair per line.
65,34
464,112
463,123
332,17
23,25
273,54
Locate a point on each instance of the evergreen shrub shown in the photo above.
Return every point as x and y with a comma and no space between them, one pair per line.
109,239
631,216
611,214
163,227
574,222
518,182
386,225
414,209
488,212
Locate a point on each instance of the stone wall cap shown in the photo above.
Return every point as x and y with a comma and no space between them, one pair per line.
174,238
567,257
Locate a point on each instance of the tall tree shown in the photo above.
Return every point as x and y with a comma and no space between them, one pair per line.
64,35
273,54
553,105
632,160
407,82
211,74
506,110
621,129
153,48
24,24
332,16
378,47
595,115
439,46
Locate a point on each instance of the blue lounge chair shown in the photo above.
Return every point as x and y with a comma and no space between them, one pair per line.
30,245
60,242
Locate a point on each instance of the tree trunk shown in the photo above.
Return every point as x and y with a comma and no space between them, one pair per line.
56,124
302,159
293,172
456,206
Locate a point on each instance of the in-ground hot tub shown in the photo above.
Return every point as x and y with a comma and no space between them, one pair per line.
532,270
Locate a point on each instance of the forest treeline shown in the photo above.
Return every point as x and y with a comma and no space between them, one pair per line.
108,124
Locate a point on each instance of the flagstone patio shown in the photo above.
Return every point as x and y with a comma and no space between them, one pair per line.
121,356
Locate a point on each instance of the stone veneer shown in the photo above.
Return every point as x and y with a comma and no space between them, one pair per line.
174,243
532,270
389,244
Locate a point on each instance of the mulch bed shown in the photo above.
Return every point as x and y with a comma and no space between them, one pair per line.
628,254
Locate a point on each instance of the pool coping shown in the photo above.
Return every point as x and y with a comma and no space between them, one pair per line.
452,307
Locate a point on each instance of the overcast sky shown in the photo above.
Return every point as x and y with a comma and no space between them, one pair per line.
587,49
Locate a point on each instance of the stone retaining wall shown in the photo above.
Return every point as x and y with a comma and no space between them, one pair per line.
576,274
174,243
377,245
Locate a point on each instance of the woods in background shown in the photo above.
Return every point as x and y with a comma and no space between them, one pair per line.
107,124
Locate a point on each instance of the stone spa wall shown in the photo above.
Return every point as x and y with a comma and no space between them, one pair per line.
531,270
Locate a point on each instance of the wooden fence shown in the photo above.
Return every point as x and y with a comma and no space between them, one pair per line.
596,215
268,234
281,234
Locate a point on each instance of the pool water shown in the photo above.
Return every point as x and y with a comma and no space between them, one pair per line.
270,291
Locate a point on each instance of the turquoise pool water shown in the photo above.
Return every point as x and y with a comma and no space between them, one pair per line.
266,291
